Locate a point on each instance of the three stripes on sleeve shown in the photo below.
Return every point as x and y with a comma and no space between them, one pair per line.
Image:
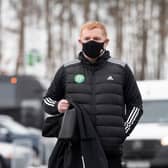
50,102
133,116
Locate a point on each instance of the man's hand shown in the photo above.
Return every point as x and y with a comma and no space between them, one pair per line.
63,105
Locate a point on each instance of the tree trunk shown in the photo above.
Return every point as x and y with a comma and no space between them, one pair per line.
0,31
86,6
68,46
20,59
49,37
97,10
162,39
61,33
144,39
70,17
128,7
119,29
144,50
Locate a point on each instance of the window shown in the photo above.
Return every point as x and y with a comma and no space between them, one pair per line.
7,94
155,111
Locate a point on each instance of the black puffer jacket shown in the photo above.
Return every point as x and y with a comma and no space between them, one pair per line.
104,88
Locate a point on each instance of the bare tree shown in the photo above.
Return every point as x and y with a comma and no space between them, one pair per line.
70,16
34,11
142,40
61,24
144,49
116,10
86,6
162,33
119,28
49,62
128,7
56,51
21,44
97,10
0,31
23,9
61,32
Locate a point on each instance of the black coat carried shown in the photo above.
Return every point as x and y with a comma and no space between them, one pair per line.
85,151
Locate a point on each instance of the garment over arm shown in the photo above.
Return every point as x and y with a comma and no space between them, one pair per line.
133,101
55,92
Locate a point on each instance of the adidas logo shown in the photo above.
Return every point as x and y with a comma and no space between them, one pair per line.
110,78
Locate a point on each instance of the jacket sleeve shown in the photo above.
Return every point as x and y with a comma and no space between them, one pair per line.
55,92
133,101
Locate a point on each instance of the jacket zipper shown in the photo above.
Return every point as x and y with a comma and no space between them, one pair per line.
93,92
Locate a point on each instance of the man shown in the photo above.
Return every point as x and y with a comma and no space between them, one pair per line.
104,86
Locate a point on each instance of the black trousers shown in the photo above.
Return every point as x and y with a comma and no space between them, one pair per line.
114,161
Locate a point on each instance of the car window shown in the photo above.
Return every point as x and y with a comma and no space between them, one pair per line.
155,111
14,127
8,94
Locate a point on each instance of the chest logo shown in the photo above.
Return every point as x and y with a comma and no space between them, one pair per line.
79,78
110,78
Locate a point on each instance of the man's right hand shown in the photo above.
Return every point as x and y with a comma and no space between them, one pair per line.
63,105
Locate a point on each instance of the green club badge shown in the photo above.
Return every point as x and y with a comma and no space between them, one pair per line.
79,78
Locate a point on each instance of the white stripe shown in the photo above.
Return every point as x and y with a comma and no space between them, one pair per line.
48,103
72,62
46,115
132,117
129,125
83,161
128,128
131,113
51,100
135,117
126,131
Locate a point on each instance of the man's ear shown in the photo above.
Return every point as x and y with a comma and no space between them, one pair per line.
106,42
80,42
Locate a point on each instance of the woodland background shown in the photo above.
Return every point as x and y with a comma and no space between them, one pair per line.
37,36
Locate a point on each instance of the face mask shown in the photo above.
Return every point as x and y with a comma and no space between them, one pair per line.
92,48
